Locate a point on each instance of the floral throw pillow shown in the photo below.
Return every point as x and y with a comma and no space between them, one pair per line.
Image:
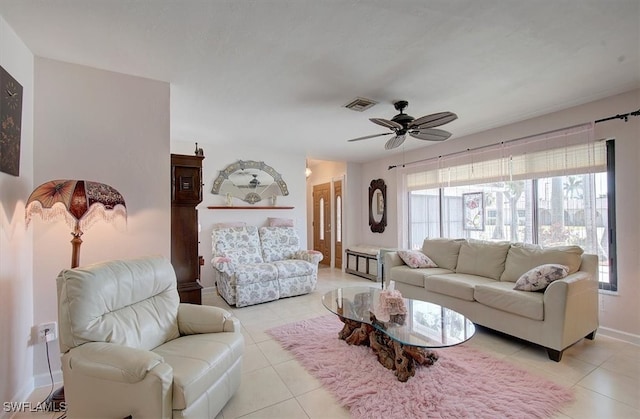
538,278
416,259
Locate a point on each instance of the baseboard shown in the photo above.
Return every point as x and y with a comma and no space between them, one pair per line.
21,396
620,335
209,290
42,380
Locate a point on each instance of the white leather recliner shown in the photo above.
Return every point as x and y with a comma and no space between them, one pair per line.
130,348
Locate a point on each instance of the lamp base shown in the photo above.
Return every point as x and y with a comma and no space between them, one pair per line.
55,402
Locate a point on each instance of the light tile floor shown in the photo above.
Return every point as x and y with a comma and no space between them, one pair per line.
605,373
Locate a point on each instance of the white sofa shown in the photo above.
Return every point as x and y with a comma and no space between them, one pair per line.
131,349
254,265
477,279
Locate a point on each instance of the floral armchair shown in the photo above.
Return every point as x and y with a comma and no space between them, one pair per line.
258,265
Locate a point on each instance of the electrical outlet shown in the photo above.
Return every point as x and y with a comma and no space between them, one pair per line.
47,331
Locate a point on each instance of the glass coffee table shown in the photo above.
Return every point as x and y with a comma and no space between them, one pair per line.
404,341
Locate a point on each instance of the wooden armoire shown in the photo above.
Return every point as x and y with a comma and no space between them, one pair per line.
186,194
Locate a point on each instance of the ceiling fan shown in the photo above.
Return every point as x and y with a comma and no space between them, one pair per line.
403,124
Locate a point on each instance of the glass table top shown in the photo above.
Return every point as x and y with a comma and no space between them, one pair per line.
425,325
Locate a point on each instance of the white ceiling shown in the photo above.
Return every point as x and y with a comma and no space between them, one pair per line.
277,73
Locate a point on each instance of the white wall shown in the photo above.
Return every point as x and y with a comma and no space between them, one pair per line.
107,127
218,157
619,314
16,266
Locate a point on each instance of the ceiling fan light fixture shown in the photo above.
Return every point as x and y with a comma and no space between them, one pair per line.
360,104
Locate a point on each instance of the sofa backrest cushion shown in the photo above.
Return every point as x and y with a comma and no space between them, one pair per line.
524,257
444,252
240,244
128,302
482,258
278,243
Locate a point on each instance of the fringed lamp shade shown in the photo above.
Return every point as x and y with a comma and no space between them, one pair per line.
79,202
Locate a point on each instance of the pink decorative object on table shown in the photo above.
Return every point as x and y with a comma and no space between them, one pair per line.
391,307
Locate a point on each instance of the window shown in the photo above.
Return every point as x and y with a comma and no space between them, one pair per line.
564,199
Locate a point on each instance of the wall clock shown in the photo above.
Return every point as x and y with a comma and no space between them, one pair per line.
10,123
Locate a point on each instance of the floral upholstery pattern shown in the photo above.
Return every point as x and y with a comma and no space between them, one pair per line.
278,243
416,259
538,278
252,266
291,268
312,256
251,273
296,285
258,292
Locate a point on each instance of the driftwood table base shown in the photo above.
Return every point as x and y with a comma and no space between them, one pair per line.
391,354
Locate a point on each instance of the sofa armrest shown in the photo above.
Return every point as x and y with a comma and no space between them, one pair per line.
563,289
311,256
195,319
113,362
392,259
223,264
572,303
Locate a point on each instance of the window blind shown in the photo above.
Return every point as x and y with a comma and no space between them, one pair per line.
559,153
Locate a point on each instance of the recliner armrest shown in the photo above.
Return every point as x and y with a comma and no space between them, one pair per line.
223,264
312,256
113,362
195,319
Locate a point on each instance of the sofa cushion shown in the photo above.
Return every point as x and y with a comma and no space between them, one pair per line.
523,257
198,362
416,277
502,296
455,284
278,243
279,222
482,258
407,275
444,252
416,259
538,278
292,267
256,272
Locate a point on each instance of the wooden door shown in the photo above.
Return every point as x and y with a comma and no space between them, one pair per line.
322,221
337,210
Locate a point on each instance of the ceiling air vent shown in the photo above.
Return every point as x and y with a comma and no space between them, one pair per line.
360,104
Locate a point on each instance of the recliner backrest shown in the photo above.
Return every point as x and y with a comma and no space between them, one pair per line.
240,244
128,302
278,243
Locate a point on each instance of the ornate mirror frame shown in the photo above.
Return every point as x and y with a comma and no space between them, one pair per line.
240,165
377,205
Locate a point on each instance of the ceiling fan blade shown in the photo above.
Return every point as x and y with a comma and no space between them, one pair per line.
370,136
386,123
395,142
431,134
433,120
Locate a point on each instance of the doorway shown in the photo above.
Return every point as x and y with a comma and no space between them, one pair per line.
322,221
337,210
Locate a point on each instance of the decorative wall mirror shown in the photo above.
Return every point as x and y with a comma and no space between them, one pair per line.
250,181
377,205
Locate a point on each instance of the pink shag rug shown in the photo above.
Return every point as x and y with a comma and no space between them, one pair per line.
463,383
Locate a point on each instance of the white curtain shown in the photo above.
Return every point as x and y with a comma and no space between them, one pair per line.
558,153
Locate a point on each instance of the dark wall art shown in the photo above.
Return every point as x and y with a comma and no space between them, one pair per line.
10,123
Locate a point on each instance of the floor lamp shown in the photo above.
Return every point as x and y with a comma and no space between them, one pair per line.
80,204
